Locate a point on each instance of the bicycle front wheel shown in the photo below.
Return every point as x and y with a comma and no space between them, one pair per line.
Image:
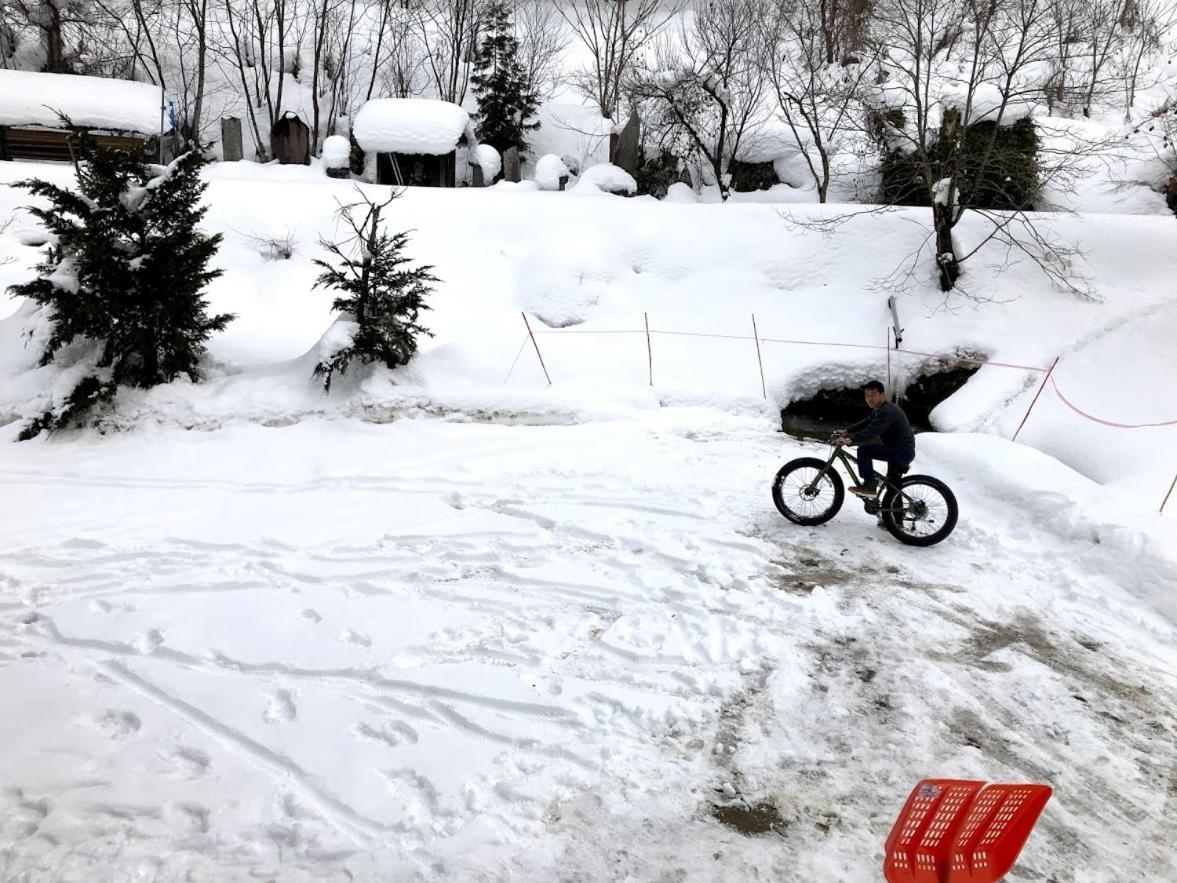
805,492
923,514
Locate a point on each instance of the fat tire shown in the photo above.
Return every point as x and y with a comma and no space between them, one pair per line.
808,463
897,530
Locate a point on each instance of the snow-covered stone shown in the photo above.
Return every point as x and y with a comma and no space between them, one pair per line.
488,159
336,152
549,170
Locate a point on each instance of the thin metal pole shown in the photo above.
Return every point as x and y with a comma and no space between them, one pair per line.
1033,403
1166,500
649,349
759,359
536,345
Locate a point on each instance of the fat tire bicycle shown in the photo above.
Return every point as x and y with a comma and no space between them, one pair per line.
918,510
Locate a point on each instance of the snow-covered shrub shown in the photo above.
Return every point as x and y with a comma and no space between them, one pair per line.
607,178
656,174
380,297
549,170
125,279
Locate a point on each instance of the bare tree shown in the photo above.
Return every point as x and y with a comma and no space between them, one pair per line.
1104,22
57,24
953,65
542,41
820,101
449,31
1147,27
705,95
398,56
1066,22
614,32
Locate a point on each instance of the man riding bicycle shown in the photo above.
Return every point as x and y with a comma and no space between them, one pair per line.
884,435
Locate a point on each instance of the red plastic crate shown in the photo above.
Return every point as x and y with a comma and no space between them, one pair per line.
961,831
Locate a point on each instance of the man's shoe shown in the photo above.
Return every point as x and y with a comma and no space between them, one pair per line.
868,489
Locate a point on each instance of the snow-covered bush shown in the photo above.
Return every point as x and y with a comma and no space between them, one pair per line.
379,295
125,279
607,178
549,170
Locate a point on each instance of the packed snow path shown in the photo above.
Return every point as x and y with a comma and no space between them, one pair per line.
444,651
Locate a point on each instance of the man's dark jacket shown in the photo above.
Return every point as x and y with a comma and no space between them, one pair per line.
888,423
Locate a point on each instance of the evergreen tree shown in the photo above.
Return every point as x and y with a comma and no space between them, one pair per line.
125,275
381,296
505,102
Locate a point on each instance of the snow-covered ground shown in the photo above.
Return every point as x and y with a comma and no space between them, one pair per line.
450,623
429,650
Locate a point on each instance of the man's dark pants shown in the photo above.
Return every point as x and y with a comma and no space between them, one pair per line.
894,457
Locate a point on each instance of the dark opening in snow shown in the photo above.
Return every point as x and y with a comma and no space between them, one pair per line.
820,415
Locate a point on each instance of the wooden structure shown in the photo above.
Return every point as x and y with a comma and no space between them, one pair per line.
417,169
54,145
290,141
116,113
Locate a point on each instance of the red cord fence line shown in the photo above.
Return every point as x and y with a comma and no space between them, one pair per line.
889,348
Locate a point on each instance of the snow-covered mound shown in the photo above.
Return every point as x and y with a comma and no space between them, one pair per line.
336,152
410,125
549,170
606,178
489,160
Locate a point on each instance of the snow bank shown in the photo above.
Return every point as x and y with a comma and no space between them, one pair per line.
606,178
600,264
549,170
410,125
34,99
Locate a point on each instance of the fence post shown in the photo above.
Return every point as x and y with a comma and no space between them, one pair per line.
1161,511
759,359
536,345
890,389
649,349
1049,371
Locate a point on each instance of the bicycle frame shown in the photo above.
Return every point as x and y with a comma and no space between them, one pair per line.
839,453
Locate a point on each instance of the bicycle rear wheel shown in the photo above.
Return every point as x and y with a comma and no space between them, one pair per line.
924,514
804,494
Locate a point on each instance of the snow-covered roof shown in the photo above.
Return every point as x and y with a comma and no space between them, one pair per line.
411,125
34,99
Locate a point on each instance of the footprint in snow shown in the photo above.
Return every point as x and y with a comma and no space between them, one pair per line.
280,708
311,615
356,638
118,724
190,763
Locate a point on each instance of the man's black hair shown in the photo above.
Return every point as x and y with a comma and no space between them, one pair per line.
876,385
